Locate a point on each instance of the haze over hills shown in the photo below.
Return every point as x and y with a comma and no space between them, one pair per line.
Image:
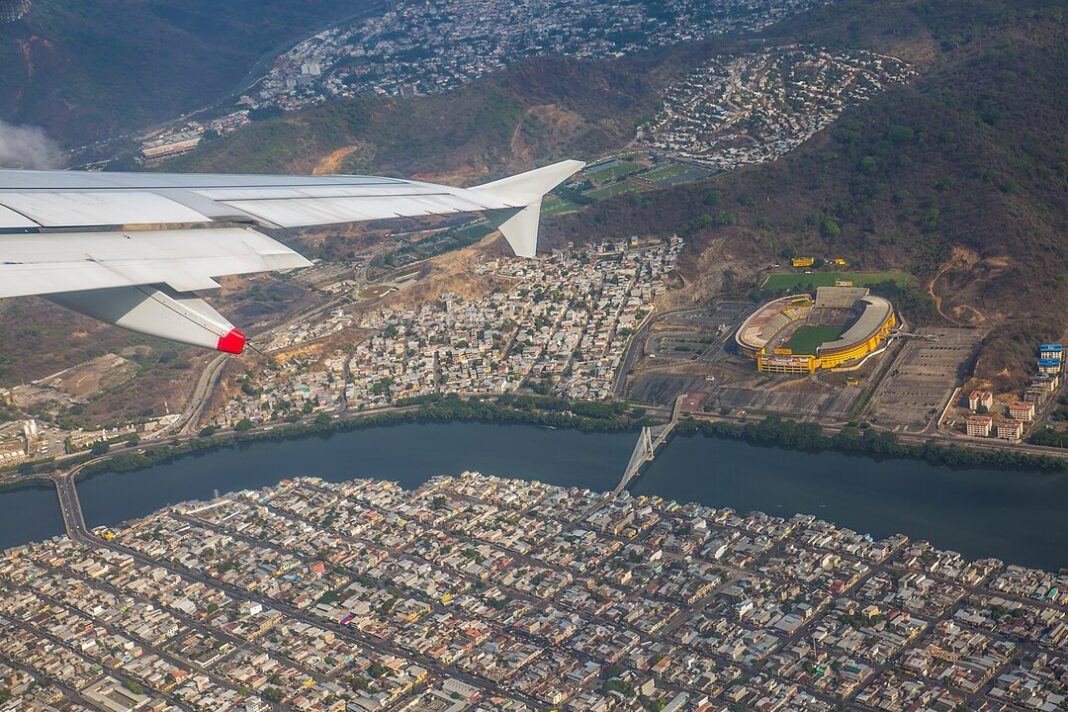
98,68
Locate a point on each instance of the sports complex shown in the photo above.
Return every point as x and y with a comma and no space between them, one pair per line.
797,334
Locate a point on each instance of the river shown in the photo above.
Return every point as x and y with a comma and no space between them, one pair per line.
1015,516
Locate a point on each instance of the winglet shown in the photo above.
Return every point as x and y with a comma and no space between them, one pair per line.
232,342
519,224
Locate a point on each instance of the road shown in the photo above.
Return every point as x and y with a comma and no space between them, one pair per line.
201,394
917,439
70,506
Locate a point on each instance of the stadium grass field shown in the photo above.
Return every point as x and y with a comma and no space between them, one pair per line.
616,189
808,338
799,282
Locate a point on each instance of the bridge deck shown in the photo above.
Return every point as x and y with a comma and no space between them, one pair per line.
649,441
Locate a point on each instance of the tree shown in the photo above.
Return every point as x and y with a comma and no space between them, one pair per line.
377,669
243,425
829,228
133,686
100,448
208,431
726,218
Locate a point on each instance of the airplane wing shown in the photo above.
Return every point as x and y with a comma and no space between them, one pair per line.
129,248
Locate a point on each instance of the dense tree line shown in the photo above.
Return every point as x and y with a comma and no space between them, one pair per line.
524,410
594,417
810,437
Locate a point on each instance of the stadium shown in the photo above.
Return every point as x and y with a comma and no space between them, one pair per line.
799,335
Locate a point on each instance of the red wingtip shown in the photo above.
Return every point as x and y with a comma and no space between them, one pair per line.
232,343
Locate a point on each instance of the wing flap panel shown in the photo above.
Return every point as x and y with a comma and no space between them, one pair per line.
187,260
158,312
297,212
9,219
324,191
111,208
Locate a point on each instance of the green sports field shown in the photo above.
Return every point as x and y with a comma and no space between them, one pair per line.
612,172
671,170
557,206
798,282
615,189
808,338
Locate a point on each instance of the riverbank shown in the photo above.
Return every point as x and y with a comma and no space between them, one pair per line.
1018,517
812,438
587,417
523,410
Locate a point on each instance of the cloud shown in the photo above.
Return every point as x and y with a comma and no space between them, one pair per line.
28,147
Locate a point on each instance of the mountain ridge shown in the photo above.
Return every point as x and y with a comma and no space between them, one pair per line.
67,66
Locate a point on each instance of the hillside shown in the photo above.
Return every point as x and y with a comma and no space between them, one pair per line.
92,69
536,111
959,177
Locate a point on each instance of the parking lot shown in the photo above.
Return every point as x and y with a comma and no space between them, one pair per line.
697,334
922,378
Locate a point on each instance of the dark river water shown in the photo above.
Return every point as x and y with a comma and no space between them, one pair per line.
1021,517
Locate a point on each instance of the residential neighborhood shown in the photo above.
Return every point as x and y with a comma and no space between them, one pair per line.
478,594
416,48
757,107
559,324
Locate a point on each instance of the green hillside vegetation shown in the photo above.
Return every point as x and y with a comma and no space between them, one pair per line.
967,161
92,69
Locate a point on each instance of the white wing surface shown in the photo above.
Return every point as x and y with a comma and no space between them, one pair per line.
128,248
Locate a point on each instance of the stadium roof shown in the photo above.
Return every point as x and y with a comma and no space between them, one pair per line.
876,311
765,322
839,297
